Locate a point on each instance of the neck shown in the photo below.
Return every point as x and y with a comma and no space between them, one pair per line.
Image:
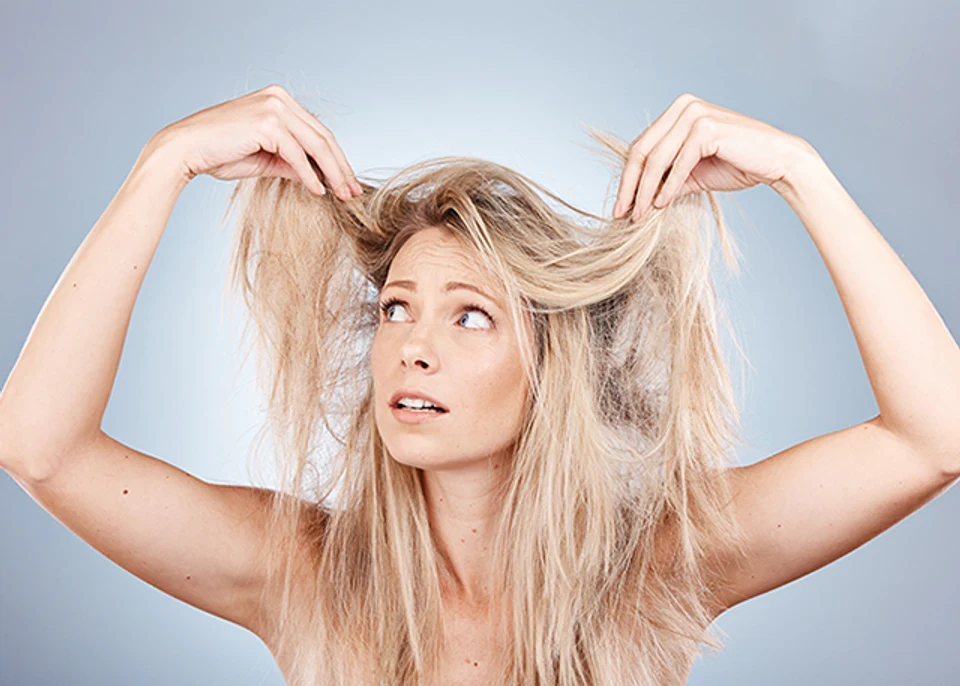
462,507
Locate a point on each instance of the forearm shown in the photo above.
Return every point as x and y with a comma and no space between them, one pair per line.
57,392
911,359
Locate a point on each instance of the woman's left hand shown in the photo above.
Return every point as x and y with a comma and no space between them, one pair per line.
704,147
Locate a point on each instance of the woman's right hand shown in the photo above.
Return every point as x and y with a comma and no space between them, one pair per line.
264,133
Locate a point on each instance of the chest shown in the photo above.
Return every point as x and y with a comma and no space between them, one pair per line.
470,650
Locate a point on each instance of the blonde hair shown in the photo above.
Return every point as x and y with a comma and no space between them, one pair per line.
630,419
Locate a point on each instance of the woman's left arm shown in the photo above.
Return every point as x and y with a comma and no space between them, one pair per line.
816,501
911,359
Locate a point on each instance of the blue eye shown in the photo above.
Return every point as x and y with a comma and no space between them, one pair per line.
473,307
385,306
476,308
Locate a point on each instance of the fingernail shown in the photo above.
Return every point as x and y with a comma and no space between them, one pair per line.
617,209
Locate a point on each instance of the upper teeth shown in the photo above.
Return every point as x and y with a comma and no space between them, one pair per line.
416,402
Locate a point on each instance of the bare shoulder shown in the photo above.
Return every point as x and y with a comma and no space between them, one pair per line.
202,543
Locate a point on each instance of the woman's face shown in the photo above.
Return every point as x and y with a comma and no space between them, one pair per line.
432,341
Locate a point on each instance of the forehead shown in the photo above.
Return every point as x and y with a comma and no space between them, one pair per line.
436,253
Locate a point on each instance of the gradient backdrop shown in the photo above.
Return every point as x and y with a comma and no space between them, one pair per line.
871,84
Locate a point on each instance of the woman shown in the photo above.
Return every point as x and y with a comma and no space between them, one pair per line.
527,480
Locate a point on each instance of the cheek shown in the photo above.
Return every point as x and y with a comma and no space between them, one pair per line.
376,357
497,391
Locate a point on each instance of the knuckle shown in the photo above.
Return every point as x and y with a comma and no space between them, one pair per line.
704,126
274,90
269,120
274,103
320,146
695,108
658,156
635,152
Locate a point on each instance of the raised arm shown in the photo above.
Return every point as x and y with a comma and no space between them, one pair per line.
816,501
57,392
197,541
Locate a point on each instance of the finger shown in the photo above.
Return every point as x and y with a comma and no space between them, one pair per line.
322,153
687,159
281,142
701,142
628,183
660,158
348,173
313,122
640,149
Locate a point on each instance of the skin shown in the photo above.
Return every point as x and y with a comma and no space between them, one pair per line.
816,501
433,342
801,508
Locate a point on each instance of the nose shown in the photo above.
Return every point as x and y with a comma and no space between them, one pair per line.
416,349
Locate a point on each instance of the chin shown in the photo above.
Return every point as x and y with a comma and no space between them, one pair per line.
420,460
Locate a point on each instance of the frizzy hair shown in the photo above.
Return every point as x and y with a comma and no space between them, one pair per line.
628,427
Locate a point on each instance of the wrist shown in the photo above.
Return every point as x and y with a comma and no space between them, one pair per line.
806,173
162,160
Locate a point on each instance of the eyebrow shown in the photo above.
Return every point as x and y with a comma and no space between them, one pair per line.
450,286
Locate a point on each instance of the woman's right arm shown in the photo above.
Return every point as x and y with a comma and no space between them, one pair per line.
56,395
197,541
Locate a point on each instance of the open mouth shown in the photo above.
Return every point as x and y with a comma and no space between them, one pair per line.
419,410
409,415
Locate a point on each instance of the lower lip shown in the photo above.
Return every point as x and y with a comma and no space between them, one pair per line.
416,417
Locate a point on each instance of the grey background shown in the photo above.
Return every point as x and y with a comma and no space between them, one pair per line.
871,84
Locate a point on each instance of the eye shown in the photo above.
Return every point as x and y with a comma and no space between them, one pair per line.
469,309
386,306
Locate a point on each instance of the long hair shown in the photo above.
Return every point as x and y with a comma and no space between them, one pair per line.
629,423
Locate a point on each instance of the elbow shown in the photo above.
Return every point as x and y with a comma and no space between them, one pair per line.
940,446
33,455
951,463
945,454
19,463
